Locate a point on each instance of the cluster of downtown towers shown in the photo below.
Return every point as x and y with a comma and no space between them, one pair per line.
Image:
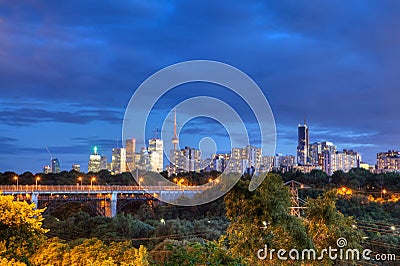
318,155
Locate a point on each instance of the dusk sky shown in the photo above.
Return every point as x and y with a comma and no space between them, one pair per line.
69,68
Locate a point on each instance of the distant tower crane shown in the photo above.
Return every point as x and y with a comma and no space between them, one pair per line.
51,159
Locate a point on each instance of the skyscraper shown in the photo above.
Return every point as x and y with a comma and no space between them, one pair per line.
130,146
118,160
303,145
317,150
156,153
94,161
55,166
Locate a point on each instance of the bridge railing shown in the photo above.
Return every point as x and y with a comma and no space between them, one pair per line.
94,188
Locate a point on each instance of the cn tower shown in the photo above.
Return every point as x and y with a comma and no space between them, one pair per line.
175,140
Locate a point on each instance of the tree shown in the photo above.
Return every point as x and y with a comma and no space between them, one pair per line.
50,253
21,229
173,252
326,224
262,217
95,252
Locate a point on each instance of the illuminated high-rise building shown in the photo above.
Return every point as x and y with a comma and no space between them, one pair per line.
220,161
46,169
104,165
344,160
303,145
130,146
55,166
76,167
156,153
244,159
94,161
317,150
187,160
118,160
388,161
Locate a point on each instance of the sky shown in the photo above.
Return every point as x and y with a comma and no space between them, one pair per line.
69,68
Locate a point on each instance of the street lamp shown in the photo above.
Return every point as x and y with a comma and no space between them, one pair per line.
37,180
140,181
384,191
80,180
16,180
93,179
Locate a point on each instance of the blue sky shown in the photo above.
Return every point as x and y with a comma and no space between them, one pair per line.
69,68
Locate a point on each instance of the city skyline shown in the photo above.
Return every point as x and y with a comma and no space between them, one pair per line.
320,154
69,70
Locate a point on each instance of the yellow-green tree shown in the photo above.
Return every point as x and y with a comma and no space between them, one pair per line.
95,252
50,253
326,225
262,217
20,229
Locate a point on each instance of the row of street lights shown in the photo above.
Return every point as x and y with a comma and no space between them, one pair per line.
37,179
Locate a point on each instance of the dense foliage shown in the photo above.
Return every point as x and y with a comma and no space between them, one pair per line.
228,231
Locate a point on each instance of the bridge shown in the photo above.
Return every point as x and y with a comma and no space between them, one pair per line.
103,200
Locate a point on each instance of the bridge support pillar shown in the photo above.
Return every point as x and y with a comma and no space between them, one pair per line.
35,198
111,206
114,198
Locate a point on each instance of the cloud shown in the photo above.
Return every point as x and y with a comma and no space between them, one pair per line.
29,116
336,62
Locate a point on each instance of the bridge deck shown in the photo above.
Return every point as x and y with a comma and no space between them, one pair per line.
97,189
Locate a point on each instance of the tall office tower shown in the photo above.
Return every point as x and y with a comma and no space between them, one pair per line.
144,161
303,145
94,161
104,163
344,160
55,166
156,153
388,161
130,146
118,160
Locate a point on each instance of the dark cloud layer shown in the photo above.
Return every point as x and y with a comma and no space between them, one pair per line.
28,116
335,61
